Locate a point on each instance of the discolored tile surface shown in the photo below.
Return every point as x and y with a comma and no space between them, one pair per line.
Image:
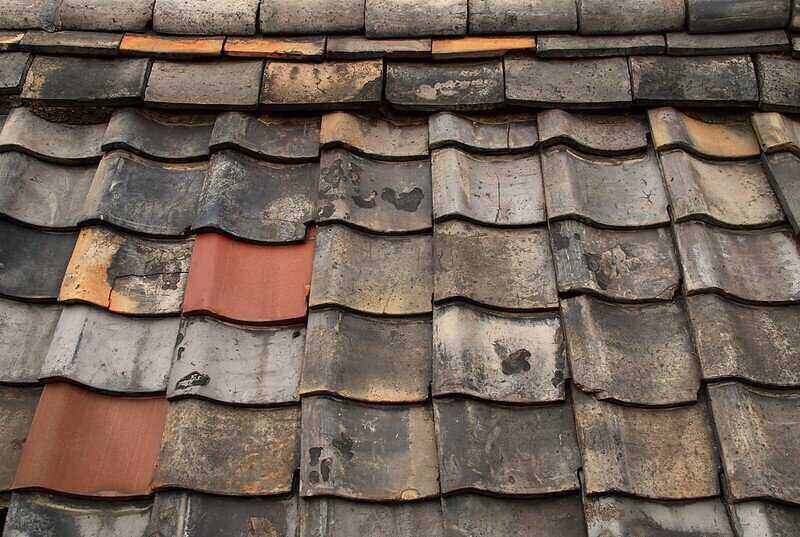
709,16
493,134
289,48
766,518
162,46
13,67
17,406
25,334
712,136
603,134
630,16
337,517
374,137
598,46
783,169
196,84
205,17
21,14
777,83
777,132
411,18
272,138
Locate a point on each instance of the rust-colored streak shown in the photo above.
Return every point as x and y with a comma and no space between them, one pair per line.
90,444
139,44
247,282
272,47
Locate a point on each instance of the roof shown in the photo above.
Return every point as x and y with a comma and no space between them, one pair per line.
465,268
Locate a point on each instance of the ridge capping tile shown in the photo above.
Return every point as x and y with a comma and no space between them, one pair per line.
25,334
598,46
705,16
105,15
72,42
603,134
497,133
783,169
319,17
204,17
374,137
25,14
163,46
630,16
275,138
413,18
522,16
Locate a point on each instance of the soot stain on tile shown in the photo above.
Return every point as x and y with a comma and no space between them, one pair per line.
195,378
405,201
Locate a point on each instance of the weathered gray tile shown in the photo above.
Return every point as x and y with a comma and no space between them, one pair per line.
235,462
757,432
506,450
111,352
380,275
713,16
503,268
477,85
777,82
412,18
620,516
320,17
70,144
757,266
498,356
24,14
370,136
598,46
498,190
766,519
17,406
13,67
730,193
205,17
694,81
205,84
105,15
40,193
69,42
777,132
166,137
683,44
236,363
632,353
715,136
630,16
609,191
73,80
25,334
142,195
333,84
784,169
368,452
361,48
32,262
356,357
267,137
522,16
485,134
663,454
604,134
591,83
337,517
375,195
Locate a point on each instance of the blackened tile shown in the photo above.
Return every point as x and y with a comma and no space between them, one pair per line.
604,134
375,137
777,132
598,46
630,16
68,42
25,334
711,16
13,67
521,16
716,136
758,518
320,17
783,169
267,137
337,517
683,44
493,134
412,18
105,15
777,82
357,47
205,17
17,407
287,48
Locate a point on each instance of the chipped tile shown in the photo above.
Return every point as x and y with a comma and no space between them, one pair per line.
111,352
349,187
235,463
735,194
112,448
474,85
497,190
337,517
591,83
502,268
777,81
72,80
368,452
127,274
235,363
205,84
498,356
162,46
522,16
492,134
42,194
372,274
784,169
759,519
480,47
142,195
683,44
604,134
291,85
413,18
630,16
318,17
159,136
105,15
609,191
629,266
360,48
632,353
17,407
704,16
25,334
226,274
68,42
660,454
694,81
256,200
506,450
716,136
13,67
9,40
370,136
288,48
268,137
756,266
598,46
205,17
32,262
777,132
757,432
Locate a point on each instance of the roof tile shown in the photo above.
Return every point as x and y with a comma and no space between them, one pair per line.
205,17
758,518
784,169
226,274
105,15
683,44
235,363
319,17
373,274
337,517
385,139
111,352
506,450
630,16
502,268
112,448
367,452
17,406
25,334
598,46
256,200
604,134
361,48
289,48
161,46
756,431
636,353
24,14
716,136
498,190
9,40
68,42
32,262
480,47
235,463
700,80
493,134
127,274
591,83
665,454
196,84
756,266
713,16
735,194
777,80
356,357
413,18
777,132
267,137
522,16
13,67
477,85
498,356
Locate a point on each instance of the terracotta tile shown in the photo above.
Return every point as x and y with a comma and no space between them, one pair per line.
86,443
10,40
247,282
293,48
159,45
480,47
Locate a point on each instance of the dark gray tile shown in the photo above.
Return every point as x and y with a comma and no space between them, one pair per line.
414,18
25,334
722,136
205,17
777,82
320,17
757,519
337,517
706,16
522,16
784,169
603,134
598,46
68,42
484,134
630,16
370,136
271,138
13,67
683,44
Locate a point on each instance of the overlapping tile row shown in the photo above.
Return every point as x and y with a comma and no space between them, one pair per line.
780,146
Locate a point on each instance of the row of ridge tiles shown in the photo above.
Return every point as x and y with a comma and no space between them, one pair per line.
400,18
